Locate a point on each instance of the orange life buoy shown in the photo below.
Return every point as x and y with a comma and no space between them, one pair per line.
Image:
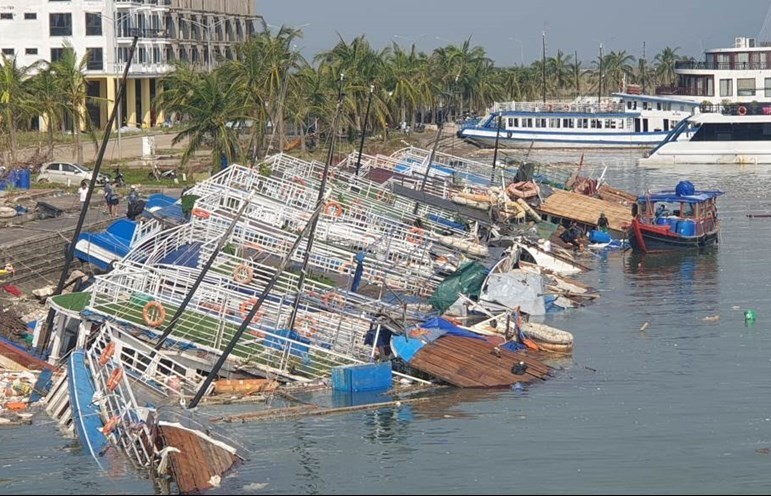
155,307
333,299
246,307
16,405
415,235
115,378
742,110
107,353
200,213
333,205
110,425
306,326
299,180
344,268
243,273
385,196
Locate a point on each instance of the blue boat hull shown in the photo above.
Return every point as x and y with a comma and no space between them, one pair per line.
85,413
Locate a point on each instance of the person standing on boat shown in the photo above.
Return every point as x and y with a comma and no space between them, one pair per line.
602,222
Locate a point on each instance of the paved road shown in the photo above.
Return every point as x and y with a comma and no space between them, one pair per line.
128,147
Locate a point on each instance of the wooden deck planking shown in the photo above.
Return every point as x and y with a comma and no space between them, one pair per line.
585,209
535,366
197,461
466,362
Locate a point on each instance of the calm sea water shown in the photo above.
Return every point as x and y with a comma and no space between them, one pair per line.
682,407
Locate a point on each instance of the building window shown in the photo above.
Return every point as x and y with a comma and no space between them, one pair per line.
726,87
7,16
56,54
60,24
30,51
30,16
767,87
93,24
8,51
745,87
95,61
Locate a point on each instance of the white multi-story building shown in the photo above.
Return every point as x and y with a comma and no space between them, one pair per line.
738,74
197,31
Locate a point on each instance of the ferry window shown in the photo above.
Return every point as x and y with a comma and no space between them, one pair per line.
567,122
658,105
586,123
745,87
645,105
543,122
596,124
726,87
516,122
538,123
629,105
767,87
510,122
610,124
554,123
528,122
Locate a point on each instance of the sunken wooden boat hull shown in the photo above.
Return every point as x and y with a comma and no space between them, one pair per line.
476,363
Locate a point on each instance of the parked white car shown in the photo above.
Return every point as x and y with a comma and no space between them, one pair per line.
67,173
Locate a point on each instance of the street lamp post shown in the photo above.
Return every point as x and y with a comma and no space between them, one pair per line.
364,127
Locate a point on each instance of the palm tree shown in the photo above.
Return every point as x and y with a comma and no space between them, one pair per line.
559,69
664,63
49,101
69,73
211,106
15,99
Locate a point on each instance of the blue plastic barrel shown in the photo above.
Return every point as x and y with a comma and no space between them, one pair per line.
686,227
23,179
672,221
596,236
661,221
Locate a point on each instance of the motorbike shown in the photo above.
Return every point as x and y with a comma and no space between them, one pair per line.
119,181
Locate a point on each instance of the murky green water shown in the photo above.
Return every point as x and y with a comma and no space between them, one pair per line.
681,407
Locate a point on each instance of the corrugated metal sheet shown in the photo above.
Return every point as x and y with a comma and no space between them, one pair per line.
585,209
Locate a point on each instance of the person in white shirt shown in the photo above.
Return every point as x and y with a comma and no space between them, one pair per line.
83,192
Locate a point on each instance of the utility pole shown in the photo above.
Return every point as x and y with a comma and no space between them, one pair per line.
578,80
599,84
364,127
543,63
644,71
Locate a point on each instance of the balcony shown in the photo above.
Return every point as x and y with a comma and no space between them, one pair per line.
722,66
682,91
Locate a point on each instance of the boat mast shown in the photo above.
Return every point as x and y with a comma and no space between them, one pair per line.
70,254
309,230
202,274
578,83
319,206
495,150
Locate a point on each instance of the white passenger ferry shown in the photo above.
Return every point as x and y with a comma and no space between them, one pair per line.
626,120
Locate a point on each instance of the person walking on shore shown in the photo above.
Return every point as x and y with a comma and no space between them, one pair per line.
110,197
83,193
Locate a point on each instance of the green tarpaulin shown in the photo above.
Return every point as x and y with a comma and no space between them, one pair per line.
467,280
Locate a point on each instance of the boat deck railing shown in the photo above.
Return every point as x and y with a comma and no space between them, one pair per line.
375,196
560,106
214,315
119,405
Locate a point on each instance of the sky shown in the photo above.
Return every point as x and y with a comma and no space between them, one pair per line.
511,30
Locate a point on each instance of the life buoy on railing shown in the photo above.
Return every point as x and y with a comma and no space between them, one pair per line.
333,205
333,299
200,213
385,196
155,307
345,267
415,235
306,326
115,379
299,180
110,425
243,273
742,110
246,307
107,353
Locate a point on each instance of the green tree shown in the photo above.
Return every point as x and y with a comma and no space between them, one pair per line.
16,100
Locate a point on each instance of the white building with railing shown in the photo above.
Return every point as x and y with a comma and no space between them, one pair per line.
197,31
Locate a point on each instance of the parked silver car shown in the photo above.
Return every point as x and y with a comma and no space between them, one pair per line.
67,173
